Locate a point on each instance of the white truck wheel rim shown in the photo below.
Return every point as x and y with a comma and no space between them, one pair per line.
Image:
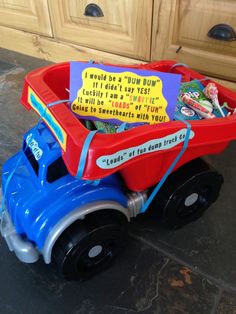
95,251
191,199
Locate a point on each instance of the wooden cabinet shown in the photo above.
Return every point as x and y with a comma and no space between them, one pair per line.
123,27
180,29
122,31
27,15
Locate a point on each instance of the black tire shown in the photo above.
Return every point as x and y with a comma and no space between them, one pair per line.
187,193
89,246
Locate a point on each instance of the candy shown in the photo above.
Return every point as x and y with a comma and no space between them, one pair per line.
197,107
211,92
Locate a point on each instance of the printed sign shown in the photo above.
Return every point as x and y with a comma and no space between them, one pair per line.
117,95
46,115
122,156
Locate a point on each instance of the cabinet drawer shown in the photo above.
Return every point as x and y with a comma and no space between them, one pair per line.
118,26
197,18
186,24
27,15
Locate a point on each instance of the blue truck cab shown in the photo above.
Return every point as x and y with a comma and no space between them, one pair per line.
42,199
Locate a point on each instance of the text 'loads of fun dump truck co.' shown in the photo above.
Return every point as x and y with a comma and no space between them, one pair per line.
70,191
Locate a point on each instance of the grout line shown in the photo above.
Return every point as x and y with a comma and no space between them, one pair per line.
217,301
218,282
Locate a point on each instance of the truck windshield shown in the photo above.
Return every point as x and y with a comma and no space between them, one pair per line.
56,170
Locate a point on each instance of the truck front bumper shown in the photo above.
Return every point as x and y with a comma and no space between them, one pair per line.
24,249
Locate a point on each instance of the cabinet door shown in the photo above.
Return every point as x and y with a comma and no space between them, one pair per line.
118,26
180,32
27,15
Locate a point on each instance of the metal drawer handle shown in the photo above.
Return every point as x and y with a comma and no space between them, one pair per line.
93,10
222,32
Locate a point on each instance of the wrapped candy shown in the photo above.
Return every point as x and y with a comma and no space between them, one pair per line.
197,107
211,92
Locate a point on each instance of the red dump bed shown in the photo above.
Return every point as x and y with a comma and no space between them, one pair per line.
134,153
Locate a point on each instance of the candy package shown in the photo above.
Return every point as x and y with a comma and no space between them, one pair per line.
194,90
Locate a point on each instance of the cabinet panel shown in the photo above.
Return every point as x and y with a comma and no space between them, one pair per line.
27,15
181,33
123,28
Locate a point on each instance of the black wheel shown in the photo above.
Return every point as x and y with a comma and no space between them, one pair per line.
187,193
90,245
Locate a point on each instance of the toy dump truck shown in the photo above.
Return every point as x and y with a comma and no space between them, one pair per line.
71,204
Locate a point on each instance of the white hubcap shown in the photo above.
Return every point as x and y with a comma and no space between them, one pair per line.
95,251
191,199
